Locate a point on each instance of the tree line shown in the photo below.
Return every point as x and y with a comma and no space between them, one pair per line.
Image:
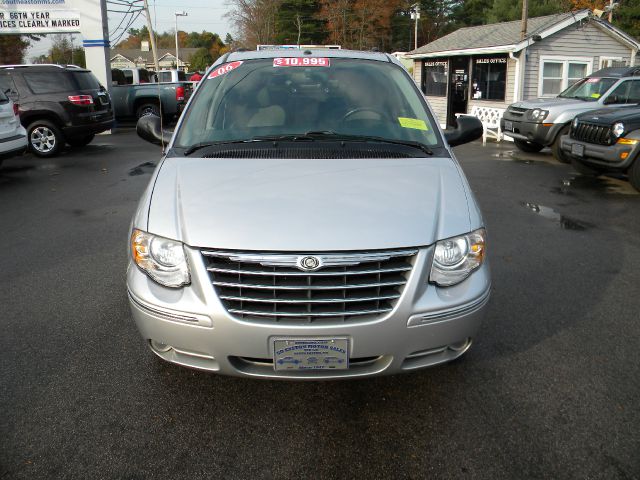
387,24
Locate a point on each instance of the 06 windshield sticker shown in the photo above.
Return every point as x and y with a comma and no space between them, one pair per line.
301,62
224,69
414,123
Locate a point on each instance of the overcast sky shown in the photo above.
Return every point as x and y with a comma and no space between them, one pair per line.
201,15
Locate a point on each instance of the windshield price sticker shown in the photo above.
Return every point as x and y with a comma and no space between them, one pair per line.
301,62
414,123
224,69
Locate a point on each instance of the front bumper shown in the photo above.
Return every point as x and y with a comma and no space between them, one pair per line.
530,131
427,326
602,156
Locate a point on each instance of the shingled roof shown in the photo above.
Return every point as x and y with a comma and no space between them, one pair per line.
135,53
495,34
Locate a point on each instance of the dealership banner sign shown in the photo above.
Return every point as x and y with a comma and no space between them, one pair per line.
37,16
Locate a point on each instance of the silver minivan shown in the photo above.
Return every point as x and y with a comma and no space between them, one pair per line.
308,220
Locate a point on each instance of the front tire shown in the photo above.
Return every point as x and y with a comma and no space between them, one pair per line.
529,147
634,174
80,141
556,149
45,138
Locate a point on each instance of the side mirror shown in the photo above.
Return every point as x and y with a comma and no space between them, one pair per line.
149,128
469,129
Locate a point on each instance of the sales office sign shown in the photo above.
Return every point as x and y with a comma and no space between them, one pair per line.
37,16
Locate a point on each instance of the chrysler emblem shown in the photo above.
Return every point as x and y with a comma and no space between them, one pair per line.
309,263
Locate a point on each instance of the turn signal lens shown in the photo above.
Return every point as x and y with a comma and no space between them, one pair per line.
624,155
627,141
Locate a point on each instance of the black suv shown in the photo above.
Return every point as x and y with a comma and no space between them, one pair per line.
606,141
57,104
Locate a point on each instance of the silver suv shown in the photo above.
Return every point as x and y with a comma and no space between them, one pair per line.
308,220
541,122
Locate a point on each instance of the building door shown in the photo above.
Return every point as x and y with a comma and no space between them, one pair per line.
459,91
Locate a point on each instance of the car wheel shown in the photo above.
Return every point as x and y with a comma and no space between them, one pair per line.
634,174
148,109
80,141
529,147
45,138
556,149
583,169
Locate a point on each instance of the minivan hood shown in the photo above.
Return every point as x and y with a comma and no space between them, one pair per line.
308,205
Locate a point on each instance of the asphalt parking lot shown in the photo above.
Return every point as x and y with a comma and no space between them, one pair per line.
549,390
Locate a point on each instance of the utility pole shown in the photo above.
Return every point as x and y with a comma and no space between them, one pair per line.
152,37
178,14
415,15
525,14
610,11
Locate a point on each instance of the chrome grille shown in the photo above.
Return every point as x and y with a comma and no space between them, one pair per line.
592,133
270,287
518,111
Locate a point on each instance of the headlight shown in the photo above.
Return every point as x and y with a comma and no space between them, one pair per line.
160,258
455,258
575,123
538,114
618,129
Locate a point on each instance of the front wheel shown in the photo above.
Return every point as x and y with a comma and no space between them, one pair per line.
556,149
45,138
634,174
529,147
80,141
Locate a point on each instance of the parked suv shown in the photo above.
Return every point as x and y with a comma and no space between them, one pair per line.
541,122
57,104
302,226
608,140
13,137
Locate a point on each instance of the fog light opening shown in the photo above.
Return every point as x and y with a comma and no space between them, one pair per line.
460,346
159,346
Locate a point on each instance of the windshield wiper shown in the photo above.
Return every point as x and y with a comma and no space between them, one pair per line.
199,146
367,138
311,136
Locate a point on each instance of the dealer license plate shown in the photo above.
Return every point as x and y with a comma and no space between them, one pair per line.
577,150
292,353
508,126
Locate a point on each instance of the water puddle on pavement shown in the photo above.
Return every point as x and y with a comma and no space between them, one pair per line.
146,167
516,156
602,184
564,222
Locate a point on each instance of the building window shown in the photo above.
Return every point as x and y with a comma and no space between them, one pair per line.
607,62
434,78
558,74
489,78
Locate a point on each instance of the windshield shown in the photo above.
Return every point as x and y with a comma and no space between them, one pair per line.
589,89
334,96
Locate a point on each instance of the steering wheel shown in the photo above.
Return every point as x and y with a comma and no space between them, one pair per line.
350,113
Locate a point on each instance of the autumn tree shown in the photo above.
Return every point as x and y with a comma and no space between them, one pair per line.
13,48
255,20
